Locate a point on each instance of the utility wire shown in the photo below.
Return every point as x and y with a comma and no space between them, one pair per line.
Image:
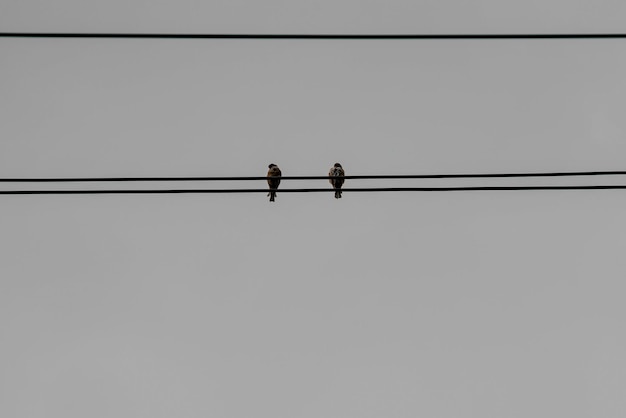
357,177
312,36
368,189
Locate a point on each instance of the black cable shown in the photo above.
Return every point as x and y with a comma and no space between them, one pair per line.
368,189
249,178
312,36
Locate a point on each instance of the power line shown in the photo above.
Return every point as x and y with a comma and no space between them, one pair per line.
368,189
312,36
356,177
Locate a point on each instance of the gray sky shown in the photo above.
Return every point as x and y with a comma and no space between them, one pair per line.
491,304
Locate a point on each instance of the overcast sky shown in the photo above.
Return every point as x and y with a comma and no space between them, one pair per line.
483,304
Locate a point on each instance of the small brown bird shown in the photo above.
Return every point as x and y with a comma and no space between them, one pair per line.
273,180
337,171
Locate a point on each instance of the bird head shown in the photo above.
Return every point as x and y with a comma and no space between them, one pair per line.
338,165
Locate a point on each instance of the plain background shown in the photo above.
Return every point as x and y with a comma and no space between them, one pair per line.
485,304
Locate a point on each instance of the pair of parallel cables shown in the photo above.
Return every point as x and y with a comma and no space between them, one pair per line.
312,190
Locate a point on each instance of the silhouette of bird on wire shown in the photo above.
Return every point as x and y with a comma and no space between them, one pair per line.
337,171
273,180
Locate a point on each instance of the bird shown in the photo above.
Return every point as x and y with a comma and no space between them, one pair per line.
273,180
336,171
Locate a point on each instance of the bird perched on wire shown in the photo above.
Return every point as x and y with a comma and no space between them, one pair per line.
273,180
335,172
